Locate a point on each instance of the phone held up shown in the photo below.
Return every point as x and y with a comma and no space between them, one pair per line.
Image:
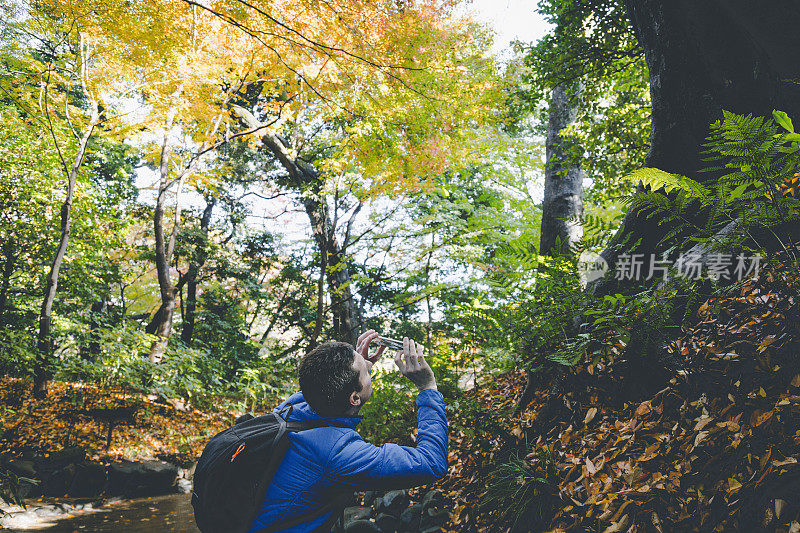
392,344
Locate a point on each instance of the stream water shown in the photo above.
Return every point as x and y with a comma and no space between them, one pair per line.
163,514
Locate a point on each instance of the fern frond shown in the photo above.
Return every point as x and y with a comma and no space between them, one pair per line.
658,179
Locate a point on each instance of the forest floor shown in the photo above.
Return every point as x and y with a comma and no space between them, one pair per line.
715,449
79,414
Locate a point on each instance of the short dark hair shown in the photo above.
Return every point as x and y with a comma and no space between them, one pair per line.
327,378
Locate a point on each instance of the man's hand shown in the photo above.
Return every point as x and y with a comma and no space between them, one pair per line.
412,365
362,346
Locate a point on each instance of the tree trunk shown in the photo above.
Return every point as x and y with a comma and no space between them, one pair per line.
429,323
164,251
343,305
152,326
308,179
91,351
704,57
563,185
320,313
563,200
44,346
163,319
194,270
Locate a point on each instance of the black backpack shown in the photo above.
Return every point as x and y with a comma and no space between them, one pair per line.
235,469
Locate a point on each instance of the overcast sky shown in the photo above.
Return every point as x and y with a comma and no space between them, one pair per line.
511,19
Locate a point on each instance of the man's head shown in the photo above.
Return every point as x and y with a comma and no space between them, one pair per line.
335,380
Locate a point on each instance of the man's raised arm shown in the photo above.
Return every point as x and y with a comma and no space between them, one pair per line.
359,465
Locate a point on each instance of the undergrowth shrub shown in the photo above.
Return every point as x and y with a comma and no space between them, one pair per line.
547,317
522,489
122,361
261,385
17,353
389,415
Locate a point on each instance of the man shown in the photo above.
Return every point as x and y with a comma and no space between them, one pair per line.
323,463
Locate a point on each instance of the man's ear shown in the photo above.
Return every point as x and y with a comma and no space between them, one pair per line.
355,399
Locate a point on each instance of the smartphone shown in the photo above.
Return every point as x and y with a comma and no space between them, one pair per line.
392,344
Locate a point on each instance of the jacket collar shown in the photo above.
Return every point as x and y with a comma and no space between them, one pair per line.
302,411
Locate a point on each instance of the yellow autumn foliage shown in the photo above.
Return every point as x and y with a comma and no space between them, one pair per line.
408,86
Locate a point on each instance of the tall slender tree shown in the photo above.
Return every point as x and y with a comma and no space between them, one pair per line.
563,183
81,77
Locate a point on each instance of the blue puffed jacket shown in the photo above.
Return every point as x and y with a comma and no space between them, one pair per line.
324,462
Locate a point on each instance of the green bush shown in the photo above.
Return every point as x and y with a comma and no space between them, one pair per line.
121,360
17,353
187,373
389,415
442,362
260,385
522,488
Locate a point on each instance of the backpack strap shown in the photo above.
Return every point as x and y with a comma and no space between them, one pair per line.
303,425
337,503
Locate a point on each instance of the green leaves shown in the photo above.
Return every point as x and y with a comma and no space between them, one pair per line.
520,486
657,179
783,119
754,163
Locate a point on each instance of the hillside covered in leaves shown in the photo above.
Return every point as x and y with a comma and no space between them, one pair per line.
716,449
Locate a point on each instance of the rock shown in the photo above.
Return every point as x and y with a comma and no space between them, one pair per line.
23,468
24,520
393,503
48,511
351,514
432,529
178,404
387,523
90,480
432,517
361,526
410,517
29,489
189,472
57,482
434,499
369,497
58,470
65,507
61,458
148,478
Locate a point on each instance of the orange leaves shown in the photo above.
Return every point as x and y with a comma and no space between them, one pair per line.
760,417
716,449
791,186
643,408
60,421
